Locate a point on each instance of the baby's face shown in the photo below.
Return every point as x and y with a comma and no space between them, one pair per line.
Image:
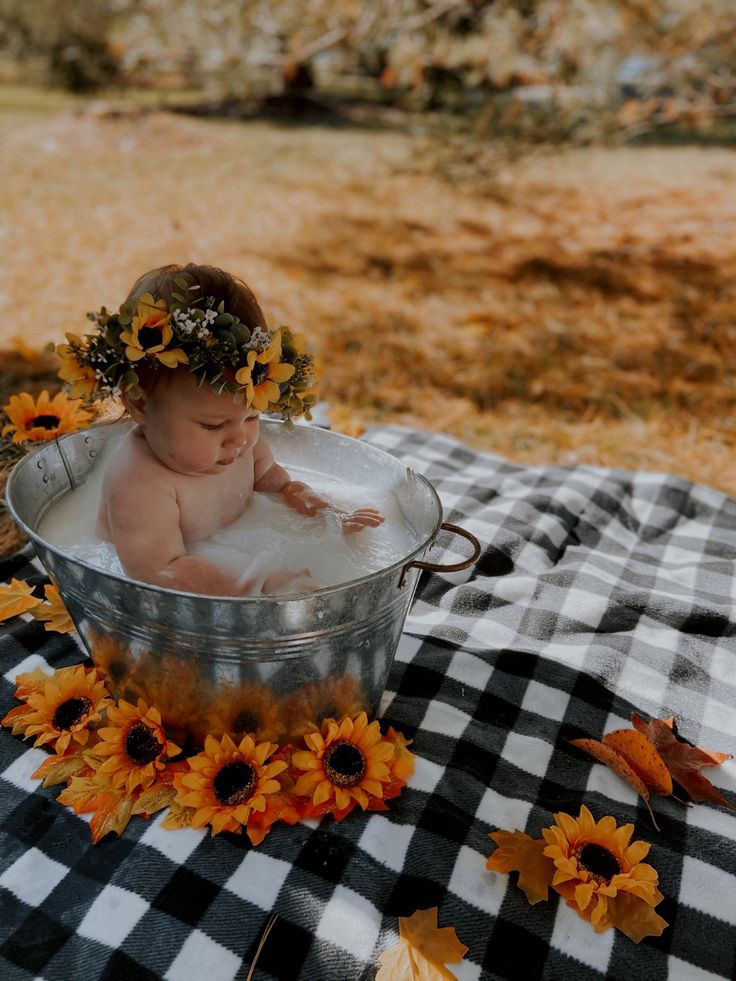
195,431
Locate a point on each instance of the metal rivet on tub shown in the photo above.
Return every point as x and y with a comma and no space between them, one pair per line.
39,464
93,453
46,478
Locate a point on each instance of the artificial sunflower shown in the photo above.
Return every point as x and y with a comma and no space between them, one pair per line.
594,862
250,709
59,708
229,786
150,332
334,697
262,375
593,865
53,612
345,764
81,380
42,419
135,745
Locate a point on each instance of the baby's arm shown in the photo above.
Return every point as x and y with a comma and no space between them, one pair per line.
270,476
144,526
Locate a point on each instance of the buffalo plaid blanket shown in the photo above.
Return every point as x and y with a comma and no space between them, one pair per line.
598,592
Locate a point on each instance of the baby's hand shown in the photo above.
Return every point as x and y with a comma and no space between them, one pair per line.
360,519
290,582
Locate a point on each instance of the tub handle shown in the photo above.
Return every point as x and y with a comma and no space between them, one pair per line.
456,566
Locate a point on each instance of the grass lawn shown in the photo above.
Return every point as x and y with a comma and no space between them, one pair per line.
584,312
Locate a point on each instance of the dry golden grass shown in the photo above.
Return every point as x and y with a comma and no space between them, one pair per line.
585,314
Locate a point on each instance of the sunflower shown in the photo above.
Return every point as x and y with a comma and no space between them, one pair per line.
53,612
229,785
44,418
345,764
335,696
150,332
59,708
250,709
595,863
262,375
80,379
135,745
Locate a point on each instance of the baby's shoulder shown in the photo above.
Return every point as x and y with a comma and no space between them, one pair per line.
133,468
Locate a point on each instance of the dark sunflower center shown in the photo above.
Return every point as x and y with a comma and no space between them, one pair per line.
71,711
344,764
246,721
149,337
234,783
258,373
598,861
45,422
142,744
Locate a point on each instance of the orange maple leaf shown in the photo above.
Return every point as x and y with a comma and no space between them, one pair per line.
16,597
616,762
683,761
422,951
518,852
643,758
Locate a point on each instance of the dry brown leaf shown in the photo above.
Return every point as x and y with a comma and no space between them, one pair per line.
643,758
608,756
422,951
683,761
518,852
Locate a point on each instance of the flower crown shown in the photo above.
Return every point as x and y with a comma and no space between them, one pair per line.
269,370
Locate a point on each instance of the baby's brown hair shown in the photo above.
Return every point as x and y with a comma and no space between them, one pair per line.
237,297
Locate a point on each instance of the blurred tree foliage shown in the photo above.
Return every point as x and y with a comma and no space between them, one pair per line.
652,61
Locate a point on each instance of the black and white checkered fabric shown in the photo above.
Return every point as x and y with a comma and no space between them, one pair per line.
597,592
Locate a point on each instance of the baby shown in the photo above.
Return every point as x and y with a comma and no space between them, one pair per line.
195,364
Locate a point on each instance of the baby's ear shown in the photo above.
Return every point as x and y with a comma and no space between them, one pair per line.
136,407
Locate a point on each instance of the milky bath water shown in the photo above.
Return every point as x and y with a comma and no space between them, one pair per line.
268,537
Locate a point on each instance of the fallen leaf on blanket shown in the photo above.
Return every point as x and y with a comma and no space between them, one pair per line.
111,809
59,769
683,761
643,758
422,951
611,758
518,852
635,918
16,597
53,612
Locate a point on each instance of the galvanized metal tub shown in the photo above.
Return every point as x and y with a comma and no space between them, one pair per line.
263,664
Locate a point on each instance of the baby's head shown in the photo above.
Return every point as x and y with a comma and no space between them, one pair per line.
235,295
192,326
189,427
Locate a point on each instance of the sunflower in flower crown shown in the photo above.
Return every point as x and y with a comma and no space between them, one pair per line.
269,369
150,334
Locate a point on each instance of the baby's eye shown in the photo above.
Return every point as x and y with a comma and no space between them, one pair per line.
212,426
